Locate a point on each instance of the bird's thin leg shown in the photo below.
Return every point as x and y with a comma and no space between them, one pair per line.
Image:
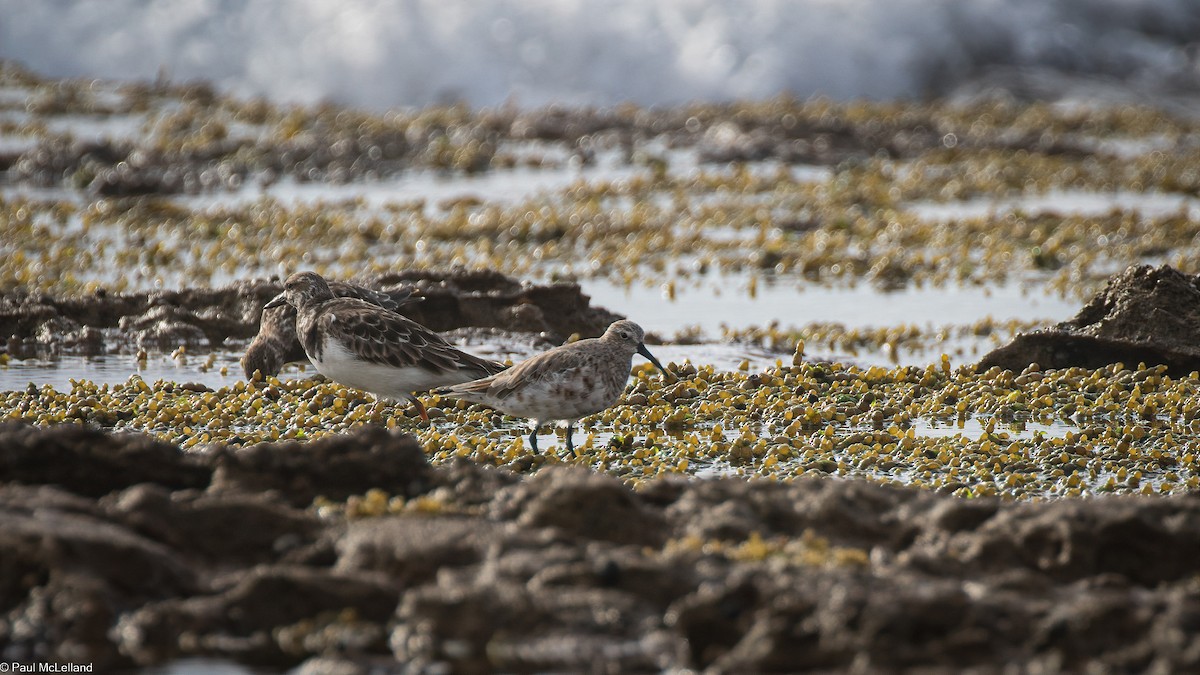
533,437
420,407
376,409
570,447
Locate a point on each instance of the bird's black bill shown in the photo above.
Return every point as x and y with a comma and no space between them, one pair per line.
277,301
646,353
405,297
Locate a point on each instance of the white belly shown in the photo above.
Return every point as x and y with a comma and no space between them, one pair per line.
339,365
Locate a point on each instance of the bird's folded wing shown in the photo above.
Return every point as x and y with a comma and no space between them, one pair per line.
390,339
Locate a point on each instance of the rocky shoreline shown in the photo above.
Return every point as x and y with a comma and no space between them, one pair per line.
105,322
121,550
1144,314
354,549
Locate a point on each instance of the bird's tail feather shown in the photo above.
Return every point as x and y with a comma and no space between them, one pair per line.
465,389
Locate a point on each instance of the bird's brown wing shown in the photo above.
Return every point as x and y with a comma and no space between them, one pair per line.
531,371
380,336
394,300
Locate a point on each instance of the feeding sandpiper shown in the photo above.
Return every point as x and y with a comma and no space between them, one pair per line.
367,347
564,384
277,344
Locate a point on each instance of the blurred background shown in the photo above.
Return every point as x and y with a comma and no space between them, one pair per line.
383,54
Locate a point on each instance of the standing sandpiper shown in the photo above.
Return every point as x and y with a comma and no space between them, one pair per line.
564,384
365,346
277,344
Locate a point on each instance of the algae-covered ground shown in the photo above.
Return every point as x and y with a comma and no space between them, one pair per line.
831,475
115,188
1025,435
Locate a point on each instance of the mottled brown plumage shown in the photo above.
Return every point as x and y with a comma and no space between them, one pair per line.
564,384
277,344
371,348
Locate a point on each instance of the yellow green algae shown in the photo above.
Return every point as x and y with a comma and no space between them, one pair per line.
1115,429
1123,428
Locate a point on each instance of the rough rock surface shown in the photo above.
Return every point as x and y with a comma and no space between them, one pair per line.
1145,315
218,554
108,322
328,467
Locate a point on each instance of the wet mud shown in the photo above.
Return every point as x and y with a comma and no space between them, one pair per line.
1145,315
122,551
104,322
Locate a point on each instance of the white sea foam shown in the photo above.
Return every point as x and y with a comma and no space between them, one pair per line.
386,53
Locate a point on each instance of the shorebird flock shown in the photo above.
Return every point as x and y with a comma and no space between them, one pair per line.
357,338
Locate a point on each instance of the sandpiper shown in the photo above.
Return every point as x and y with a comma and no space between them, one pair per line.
276,343
564,384
371,348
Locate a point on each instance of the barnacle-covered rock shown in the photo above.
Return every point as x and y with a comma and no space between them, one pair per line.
334,466
1145,315
568,569
90,462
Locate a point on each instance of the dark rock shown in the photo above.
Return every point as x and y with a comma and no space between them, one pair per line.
454,624
1145,315
714,618
583,504
1098,627
411,549
67,573
243,619
163,326
470,484
567,570
456,299
857,513
1145,541
61,333
955,515
488,299
169,317
227,530
616,568
93,463
335,467
501,626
